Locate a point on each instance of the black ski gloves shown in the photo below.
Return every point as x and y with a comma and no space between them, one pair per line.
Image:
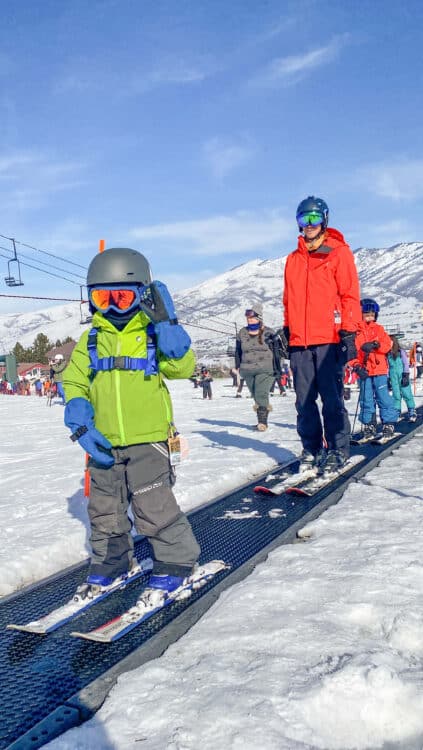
361,372
277,344
405,379
369,346
347,345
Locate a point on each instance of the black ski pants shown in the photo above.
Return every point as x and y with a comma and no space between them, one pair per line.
318,371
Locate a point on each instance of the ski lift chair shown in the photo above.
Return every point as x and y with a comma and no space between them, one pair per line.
14,273
13,279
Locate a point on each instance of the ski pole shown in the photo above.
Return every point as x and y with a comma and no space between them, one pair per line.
356,409
87,478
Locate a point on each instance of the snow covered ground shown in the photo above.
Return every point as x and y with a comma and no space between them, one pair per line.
321,647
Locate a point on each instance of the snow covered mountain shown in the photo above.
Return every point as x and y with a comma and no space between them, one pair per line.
213,309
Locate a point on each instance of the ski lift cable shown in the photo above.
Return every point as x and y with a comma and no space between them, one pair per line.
44,263
52,299
45,252
49,273
65,299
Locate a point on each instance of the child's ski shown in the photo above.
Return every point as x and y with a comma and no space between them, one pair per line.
381,440
79,604
150,602
362,440
315,484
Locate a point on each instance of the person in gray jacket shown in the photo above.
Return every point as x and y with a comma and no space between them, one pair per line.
256,359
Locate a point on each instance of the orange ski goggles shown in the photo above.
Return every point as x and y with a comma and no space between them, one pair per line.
105,298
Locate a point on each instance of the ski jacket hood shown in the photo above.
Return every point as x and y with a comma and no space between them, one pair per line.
321,292
129,407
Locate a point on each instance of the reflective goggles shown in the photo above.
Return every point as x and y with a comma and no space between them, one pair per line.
120,299
312,218
251,314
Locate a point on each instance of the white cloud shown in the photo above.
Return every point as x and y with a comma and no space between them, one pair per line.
289,70
242,232
223,156
28,178
86,76
179,281
399,179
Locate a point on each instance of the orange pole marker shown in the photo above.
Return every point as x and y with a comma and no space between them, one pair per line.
87,478
101,246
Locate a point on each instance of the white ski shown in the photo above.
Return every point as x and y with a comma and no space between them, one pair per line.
79,604
150,602
315,484
287,481
382,440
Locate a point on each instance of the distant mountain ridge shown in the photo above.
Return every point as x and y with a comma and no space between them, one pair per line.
391,275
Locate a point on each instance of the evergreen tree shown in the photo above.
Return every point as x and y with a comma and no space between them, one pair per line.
40,348
22,354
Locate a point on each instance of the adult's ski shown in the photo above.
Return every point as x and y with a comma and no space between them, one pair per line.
78,604
315,484
150,602
286,479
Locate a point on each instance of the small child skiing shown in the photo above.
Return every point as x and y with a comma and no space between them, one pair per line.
119,410
205,383
371,365
399,375
57,368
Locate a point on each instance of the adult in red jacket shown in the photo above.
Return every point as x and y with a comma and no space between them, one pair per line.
372,367
322,312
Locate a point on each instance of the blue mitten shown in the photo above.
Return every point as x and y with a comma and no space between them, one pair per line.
172,340
79,417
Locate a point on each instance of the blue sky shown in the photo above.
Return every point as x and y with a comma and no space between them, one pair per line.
191,129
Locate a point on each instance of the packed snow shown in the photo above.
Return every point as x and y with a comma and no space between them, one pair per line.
320,647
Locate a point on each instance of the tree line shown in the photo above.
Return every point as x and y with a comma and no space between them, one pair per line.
38,351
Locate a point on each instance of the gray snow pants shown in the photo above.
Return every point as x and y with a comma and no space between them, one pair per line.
259,386
142,477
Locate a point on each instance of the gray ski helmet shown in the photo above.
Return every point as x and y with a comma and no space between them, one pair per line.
314,204
119,265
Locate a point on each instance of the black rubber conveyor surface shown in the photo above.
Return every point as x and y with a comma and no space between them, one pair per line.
39,674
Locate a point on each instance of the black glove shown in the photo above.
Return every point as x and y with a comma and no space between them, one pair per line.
347,344
369,346
285,330
361,372
405,379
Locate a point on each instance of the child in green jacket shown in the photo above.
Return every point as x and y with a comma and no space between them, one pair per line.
119,410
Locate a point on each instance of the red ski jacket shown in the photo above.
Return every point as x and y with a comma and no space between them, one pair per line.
321,292
376,362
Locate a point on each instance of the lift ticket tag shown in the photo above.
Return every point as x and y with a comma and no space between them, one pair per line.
174,444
